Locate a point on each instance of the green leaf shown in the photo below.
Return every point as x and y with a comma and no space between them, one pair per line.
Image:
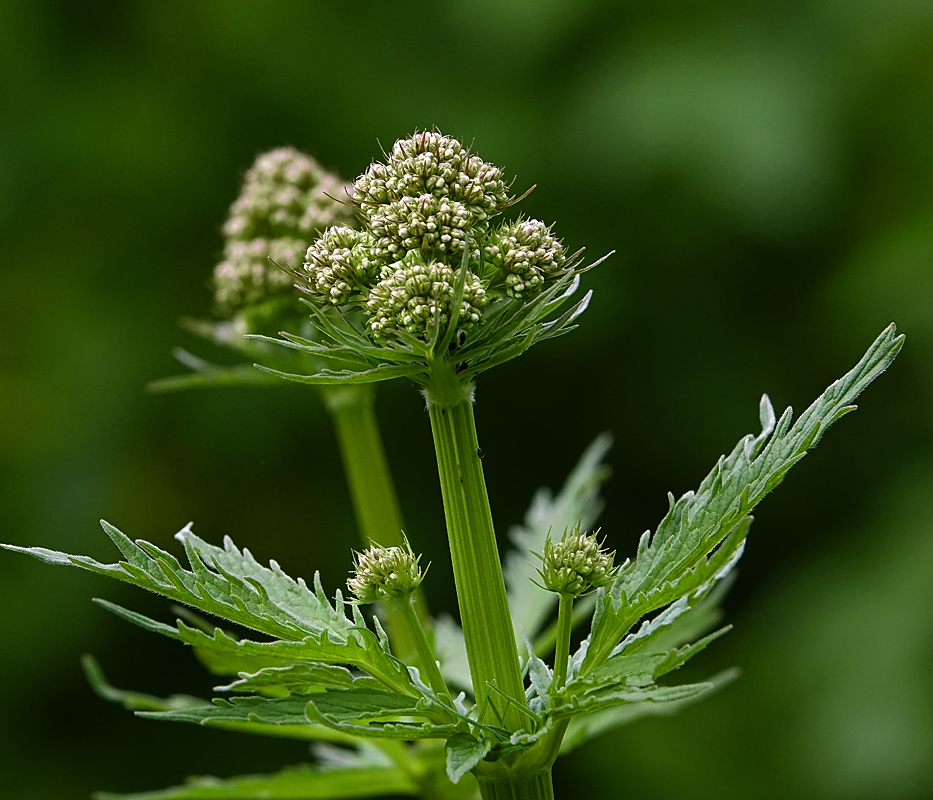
231,584
675,561
643,668
584,727
304,678
464,752
406,730
226,582
577,502
134,701
602,698
326,377
294,783
362,648
365,704
283,717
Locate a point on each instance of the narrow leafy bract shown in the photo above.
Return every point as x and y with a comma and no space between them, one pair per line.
670,563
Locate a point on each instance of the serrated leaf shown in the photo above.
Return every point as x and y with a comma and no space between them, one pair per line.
577,502
370,705
698,522
463,753
361,649
584,727
643,668
610,696
304,678
226,582
283,717
405,730
231,584
326,377
294,783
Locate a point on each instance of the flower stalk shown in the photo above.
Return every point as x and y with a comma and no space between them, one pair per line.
484,610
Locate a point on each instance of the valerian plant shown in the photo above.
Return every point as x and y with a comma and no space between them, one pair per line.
417,274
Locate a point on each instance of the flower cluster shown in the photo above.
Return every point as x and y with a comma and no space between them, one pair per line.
577,564
431,199
525,254
385,573
286,199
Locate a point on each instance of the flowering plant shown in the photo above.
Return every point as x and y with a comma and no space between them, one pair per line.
414,275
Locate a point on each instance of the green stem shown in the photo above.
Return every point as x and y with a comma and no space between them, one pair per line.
375,503
562,651
426,655
526,787
374,500
484,610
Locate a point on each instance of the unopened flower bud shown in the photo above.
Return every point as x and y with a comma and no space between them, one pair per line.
526,255
287,193
431,192
385,573
340,265
286,199
417,291
576,565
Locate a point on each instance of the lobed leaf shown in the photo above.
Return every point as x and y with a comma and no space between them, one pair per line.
303,678
362,648
675,560
282,717
584,727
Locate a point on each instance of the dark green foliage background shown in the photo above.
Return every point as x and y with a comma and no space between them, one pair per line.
765,174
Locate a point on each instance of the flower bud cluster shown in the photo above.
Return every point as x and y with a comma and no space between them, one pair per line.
285,201
576,565
526,254
420,208
385,573
416,293
246,276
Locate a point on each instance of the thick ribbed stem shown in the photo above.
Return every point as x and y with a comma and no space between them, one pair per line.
484,610
532,787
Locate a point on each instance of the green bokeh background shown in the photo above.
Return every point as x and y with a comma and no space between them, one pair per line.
764,172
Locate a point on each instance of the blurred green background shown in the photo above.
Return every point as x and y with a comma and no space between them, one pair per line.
764,172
